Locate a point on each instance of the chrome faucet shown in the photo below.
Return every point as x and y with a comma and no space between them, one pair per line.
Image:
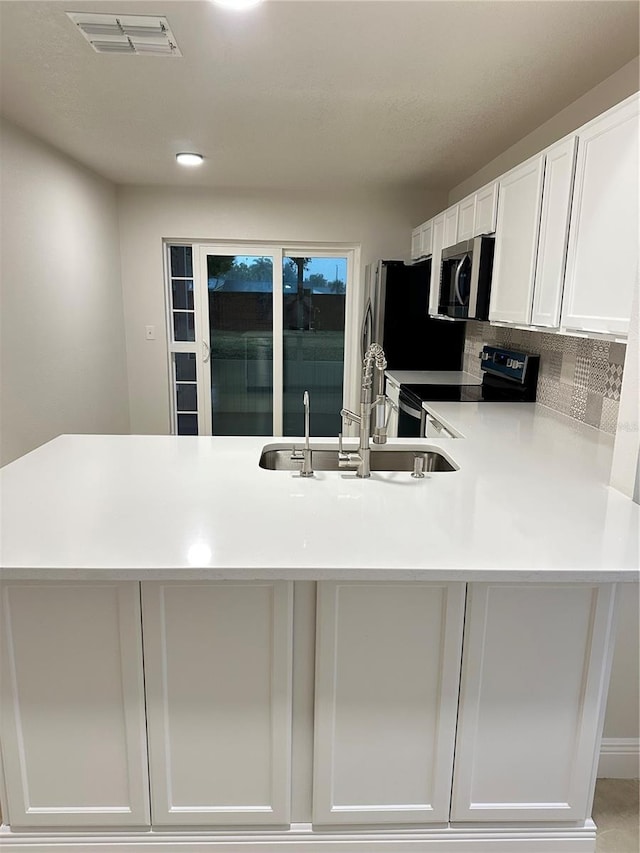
374,357
304,456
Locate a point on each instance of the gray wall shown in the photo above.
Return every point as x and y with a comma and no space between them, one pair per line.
63,359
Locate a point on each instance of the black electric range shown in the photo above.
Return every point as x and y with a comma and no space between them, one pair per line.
507,376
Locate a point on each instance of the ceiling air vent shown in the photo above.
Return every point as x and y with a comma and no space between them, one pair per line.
147,35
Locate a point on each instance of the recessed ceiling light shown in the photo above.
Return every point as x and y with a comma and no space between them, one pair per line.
237,4
186,159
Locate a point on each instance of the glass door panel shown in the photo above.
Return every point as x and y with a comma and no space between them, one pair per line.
240,302
313,315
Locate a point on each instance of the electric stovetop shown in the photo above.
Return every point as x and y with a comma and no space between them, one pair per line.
419,393
507,376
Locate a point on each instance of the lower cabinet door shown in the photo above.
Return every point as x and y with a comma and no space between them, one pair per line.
534,683
73,727
218,661
387,677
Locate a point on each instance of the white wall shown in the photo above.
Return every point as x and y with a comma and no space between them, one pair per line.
62,349
380,225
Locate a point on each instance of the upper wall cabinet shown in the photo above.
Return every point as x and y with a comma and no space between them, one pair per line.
451,215
486,209
554,227
531,238
421,241
514,263
602,260
566,226
466,214
477,213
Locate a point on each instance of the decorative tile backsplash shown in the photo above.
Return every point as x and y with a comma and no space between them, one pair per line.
579,377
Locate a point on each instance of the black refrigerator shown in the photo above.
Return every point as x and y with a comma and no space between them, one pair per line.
396,315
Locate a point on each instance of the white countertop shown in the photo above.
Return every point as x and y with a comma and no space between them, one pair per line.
530,501
432,377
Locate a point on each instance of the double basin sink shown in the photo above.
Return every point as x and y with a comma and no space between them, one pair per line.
389,457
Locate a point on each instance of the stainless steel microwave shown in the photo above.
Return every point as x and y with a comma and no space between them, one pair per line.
465,279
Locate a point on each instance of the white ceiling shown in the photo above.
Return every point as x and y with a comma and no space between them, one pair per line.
309,94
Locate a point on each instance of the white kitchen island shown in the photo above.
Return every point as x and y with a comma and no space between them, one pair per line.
199,654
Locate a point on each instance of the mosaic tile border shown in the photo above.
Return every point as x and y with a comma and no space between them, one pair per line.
579,377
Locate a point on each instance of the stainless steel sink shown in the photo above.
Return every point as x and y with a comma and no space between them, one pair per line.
277,457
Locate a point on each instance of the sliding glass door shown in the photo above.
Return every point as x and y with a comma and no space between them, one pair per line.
251,329
240,309
313,330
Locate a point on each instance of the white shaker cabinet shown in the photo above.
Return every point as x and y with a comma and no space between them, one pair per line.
602,262
486,209
416,243
554,228
387,672
466,218
517,227
531,238
421,241
436,260
426,238
218,681
533,693
73,725
477,213
450,237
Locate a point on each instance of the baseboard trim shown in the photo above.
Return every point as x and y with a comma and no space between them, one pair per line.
580,839
619,758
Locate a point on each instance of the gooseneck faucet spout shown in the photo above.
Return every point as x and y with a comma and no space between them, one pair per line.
374,358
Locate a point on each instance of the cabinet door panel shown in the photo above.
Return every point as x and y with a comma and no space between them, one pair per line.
427,238
486,210
218,682
516,245
602,262
73,733
416,243
450,227
534,681
466,216
554,228
387,670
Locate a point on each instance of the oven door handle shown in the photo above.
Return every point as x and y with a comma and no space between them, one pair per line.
408,409
456,281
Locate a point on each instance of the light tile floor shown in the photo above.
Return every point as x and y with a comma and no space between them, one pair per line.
616,813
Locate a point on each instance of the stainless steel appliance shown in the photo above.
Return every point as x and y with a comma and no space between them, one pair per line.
508,377
465,279
396,315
